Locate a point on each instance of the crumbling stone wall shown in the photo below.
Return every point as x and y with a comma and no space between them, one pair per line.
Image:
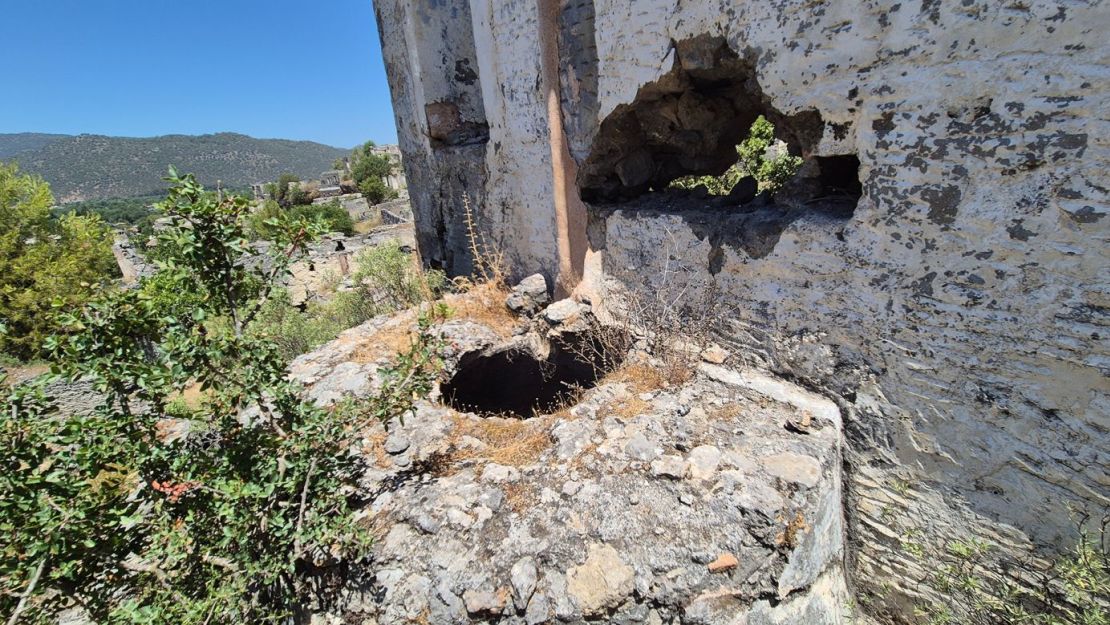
957,312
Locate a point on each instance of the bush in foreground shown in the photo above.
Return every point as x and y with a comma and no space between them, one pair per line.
141,512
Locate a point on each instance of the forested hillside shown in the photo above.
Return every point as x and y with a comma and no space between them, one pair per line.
12,145
90,167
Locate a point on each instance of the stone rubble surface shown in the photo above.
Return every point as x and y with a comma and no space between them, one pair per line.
640,506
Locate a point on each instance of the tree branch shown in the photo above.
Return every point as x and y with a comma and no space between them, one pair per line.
304,504
27,593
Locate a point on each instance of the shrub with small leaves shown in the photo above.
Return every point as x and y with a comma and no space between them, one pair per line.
238,511
771,173
978,588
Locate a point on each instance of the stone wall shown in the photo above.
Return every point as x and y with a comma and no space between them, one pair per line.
355,205
957,311
132,265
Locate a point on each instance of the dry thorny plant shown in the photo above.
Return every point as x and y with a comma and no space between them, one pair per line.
670,315
481,297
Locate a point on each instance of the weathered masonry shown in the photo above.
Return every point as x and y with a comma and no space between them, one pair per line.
939,268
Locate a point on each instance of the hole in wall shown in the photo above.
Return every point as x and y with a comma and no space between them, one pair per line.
686,123
838,179
515,382
447,126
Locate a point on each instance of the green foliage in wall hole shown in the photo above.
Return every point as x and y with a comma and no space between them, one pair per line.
770,172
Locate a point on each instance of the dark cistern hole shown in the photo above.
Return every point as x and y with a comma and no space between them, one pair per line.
514,382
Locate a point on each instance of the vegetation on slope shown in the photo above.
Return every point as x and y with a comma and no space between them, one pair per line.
262,225
45,262
90,167
12,145
249,516
131,211
386,279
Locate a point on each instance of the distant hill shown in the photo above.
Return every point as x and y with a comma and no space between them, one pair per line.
93,167
14,145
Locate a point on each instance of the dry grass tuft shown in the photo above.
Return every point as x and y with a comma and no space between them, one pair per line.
388,341
640,377
367,225
191,396
519,496
482,297
377,526
625,408
727,412
375,447
17,373
791,534
510,441
484,303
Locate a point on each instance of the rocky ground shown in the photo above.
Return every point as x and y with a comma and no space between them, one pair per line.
716,500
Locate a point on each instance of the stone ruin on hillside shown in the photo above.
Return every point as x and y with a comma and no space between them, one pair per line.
932,289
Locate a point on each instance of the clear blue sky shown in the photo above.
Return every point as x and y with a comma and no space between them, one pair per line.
290,69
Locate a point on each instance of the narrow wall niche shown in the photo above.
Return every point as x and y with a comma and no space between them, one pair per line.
449,79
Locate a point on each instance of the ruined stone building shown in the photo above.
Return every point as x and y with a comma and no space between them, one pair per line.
939,268
395,181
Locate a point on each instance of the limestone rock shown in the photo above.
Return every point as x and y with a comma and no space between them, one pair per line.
714,354
562,312
669,466
793,467
640,448
529,296
538,610
397,443
601,582
702,462
472,535
499,473
524,576
485,601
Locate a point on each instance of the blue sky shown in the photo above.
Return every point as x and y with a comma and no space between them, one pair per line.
290,69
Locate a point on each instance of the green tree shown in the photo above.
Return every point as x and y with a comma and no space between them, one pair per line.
134,211
332,214
43,259
375,191
280,191
143,512
264,222
369,170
